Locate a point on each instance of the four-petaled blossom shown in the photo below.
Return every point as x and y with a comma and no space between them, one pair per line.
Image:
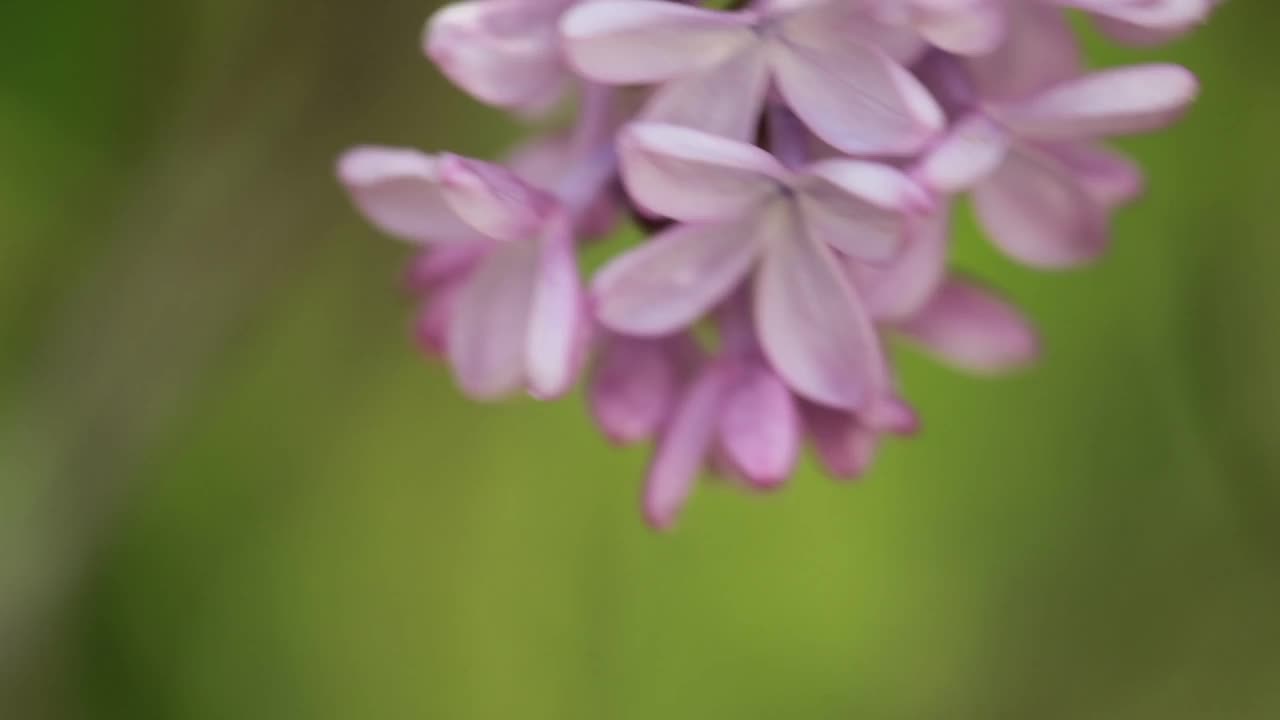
517,320
1041,186
739,209
794,164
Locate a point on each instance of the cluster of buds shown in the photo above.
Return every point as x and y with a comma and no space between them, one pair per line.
793,164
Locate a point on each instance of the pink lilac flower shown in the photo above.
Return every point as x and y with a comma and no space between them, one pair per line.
741,211
516,320
1026,146
793,165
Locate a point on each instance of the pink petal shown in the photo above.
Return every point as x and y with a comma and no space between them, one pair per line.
442,264
399,191
435,317
724,99
689,175
489,332
558,322
633,388
972,149
845,447
543,160
503,52
1040,50
971,329
881,185
859,208
1110,102
853,95
760,428
623,42
1110,177
962,27
669,282
683,448
823,23
898,290
494,200
815,332
1038,213
1145,21
890,414
1143,35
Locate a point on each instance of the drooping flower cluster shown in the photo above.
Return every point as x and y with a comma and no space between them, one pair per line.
793,163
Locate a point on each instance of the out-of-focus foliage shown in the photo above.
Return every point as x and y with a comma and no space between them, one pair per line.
230,489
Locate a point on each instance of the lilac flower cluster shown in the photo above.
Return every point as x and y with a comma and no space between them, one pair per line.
794,163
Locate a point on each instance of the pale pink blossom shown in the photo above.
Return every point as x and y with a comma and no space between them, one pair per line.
510,313
1041,184
742,213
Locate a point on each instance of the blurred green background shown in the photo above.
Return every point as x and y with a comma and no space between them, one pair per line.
229,487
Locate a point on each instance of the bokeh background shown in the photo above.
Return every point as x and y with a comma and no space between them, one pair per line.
230,488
